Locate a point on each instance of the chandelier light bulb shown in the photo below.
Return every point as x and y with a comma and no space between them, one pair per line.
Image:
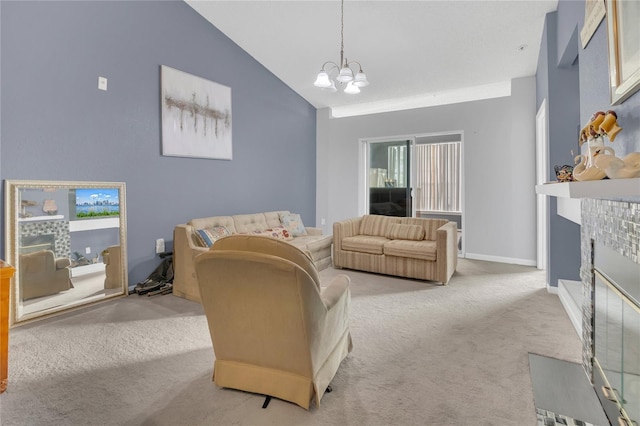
361,79
322,80
346,75
351,89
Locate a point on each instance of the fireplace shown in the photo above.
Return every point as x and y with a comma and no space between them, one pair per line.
616,334
609,219
40,233
31,243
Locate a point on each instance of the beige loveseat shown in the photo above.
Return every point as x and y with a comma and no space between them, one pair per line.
275,330
187,244
408,247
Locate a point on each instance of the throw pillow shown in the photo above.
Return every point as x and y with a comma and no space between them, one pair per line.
293,223
399,231
279,232
208,236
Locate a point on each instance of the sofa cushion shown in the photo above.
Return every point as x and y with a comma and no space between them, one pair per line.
399,231
208,236
376,225
425,249
279,232
210,222
430,225
294,223
273,218
247,223
364,244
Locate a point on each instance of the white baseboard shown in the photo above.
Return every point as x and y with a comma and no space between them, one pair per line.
571,306
551,289
511,260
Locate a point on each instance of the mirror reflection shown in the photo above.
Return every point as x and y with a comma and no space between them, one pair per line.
67,243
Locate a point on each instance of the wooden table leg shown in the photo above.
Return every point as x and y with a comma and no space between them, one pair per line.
6,273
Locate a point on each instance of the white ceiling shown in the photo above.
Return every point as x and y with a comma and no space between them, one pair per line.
415,53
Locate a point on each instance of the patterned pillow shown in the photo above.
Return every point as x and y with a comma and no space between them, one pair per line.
279,232
293,223
208,236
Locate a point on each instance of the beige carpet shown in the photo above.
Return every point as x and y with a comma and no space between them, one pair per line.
423,355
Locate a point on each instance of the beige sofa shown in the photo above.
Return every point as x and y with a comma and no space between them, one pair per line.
275,330
408,247
187,245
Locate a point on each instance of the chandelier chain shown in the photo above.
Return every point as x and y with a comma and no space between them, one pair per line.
342,61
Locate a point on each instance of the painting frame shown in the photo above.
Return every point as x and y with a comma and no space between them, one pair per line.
624,49
195,115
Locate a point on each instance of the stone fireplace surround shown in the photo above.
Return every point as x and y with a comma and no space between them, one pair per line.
614,224
59,229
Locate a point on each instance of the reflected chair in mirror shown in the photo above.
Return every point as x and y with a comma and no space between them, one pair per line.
275,330
41,274
111,258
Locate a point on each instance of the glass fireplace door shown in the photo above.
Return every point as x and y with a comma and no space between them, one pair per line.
617,349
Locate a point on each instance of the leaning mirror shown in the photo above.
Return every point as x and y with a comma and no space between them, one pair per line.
67,241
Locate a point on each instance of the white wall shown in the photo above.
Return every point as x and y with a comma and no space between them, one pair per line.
499,167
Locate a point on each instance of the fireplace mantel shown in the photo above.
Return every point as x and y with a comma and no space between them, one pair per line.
619,189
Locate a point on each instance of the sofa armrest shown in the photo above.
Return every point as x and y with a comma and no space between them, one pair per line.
313,231
62,263
342,230
185,283
447,251
331,294
346,228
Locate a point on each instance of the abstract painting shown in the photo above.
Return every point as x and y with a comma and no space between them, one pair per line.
196,116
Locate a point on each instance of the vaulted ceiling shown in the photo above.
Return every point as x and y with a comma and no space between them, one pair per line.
415,53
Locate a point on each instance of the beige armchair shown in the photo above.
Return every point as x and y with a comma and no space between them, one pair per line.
274,330
43,275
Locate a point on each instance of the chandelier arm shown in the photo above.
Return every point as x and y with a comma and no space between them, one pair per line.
333,66
354,62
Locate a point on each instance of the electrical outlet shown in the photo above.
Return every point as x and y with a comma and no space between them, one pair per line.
322,221
87,250
160,245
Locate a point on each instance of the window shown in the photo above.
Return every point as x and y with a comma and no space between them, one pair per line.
438,177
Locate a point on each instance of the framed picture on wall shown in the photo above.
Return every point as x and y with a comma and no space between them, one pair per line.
623,33
196,116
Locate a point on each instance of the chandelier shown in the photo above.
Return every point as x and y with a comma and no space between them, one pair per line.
344,73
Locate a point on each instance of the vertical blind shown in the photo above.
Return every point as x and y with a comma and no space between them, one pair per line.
438,177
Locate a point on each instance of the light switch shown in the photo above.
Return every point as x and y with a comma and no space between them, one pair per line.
102,83
160,245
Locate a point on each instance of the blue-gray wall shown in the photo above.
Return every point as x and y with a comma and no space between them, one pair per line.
575,82
57,125
559,86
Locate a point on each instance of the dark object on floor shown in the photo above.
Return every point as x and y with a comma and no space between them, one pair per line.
160,281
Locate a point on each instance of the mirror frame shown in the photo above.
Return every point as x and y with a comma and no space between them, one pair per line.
12,209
